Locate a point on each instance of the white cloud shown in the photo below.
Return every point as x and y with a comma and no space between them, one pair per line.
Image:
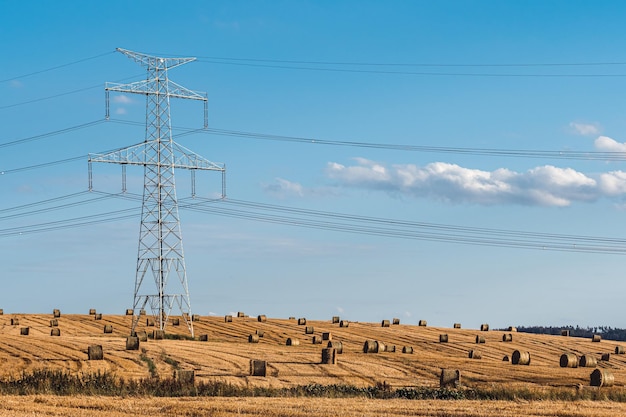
120,110
122,99
283,188
605,143
585,129
340,310
16,84
545,185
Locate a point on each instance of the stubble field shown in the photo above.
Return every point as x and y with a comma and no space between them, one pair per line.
226,356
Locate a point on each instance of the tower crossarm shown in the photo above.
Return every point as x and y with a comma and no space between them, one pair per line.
183,158
154,62
150,87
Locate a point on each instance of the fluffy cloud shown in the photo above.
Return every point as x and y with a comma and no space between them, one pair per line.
122,99
545,185
585,129
283,188
605,143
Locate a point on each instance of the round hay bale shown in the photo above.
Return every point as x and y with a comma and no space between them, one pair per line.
1,311
422,323
253,338
605,357
293,342
203,337
261,333
329,356
150,322
55,331
158,334
54,323
344,323
228,319
450,378
24,331
484,327
395,321
108,328
292,318
601,378
407,349
480,339
143,336
384,323
507,337
92,311
337,345
185,376
97,316
241,314
390,348
132,343
309,330
175,322
56,313
15,321
587,361
373,346
520,358
565,332
596,338
94,353
505,358
258,367
142,312
619,350
317,340
195,317
302,321
511,329
129,312
443,338
261,318
457,325
568,360
335,319
327,336
474,354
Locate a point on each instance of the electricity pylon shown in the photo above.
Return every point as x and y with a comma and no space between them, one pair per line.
160,241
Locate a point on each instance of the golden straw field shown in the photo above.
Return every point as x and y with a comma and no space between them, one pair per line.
226,356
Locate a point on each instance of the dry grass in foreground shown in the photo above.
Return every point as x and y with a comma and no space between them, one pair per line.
22,406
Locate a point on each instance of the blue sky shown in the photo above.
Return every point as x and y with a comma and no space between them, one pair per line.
540,76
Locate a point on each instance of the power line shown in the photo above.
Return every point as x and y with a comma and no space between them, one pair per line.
338,222
405,64
53,133
419,73
57,67
516,153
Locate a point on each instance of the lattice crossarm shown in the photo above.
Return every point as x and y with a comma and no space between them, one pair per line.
154,62
132,155
185,158
178,91
139,87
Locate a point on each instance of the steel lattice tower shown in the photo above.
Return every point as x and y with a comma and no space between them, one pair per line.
160,253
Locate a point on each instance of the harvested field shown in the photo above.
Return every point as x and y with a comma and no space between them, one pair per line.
226,356
20,406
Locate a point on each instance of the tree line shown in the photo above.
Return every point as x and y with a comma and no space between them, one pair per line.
606,332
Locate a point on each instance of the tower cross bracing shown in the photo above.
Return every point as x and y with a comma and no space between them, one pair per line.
160,253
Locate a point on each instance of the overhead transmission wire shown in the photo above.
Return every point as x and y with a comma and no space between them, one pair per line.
495,152
333,221
326,66
67,64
